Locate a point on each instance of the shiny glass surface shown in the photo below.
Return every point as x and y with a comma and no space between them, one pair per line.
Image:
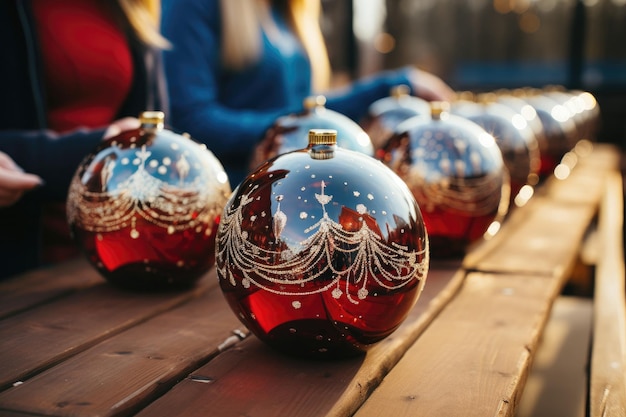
322,252
144,208
455,170
385,114
559,127
290,132
513,135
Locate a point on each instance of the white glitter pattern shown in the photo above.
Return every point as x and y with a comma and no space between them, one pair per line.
390,265
174,208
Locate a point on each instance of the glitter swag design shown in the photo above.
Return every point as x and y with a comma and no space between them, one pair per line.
330,258
142,195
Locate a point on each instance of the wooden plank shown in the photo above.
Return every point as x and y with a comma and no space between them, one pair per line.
585,182
543,240
559,378
540,237
43,285
474,358
608,361
253,379
41,337
14,414
124,373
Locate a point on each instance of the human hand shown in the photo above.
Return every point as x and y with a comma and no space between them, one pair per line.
121,125
430,87
13,181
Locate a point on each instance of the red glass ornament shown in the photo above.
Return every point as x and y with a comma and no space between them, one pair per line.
558,125
513,135
455,170
145,205
590,111
289,133
322,252
528,112
386,114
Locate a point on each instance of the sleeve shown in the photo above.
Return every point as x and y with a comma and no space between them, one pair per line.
192,70
355,99
54,157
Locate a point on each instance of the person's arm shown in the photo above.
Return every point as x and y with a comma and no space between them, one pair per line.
355,99
14,182
51,156
192,67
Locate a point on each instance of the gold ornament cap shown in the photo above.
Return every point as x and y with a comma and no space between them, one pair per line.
152,119
322,137
437,108
400,91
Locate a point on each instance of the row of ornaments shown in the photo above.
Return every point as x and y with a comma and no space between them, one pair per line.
321,250
453,168
146,204
533,127
463,184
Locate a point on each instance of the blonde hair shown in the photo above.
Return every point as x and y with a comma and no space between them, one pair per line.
144,18
242,21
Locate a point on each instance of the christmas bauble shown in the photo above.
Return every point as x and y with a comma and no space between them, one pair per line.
455,170
385,114
513,101
145,205
289,133
513,135
322,251
559,127
590,113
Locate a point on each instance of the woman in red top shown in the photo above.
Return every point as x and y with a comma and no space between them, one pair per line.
74,72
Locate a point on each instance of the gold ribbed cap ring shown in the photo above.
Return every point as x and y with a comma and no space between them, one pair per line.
152,120
438,107
401,90
152,117
322,137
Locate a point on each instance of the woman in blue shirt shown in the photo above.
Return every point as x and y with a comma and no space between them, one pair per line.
235,66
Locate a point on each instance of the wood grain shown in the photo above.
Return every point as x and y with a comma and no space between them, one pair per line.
255,380
43,285
540,237
608,361
474,358
545,243
45,335
120,375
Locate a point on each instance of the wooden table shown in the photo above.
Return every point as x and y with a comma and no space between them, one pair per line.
73,345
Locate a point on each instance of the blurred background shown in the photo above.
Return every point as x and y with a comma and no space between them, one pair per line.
484,45
487,45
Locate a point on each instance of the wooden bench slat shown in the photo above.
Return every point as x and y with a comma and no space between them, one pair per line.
43,285
15,414
145,361
543,244
608,360
255,380
585,184
559,378
474,358
540,237
43,336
